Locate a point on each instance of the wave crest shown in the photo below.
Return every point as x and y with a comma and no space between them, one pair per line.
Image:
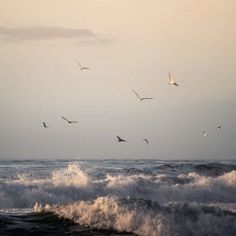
71,176
145,217
72,184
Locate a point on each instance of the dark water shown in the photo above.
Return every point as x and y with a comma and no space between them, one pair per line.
46,224
117,197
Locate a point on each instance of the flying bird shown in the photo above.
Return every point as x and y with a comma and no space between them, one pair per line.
172,82
219,127
166,166
120,139
146,140
204,133
69,121
44,125
82,67
170,166
134,170
139,97
130,170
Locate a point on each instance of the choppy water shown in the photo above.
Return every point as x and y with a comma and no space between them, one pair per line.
101,197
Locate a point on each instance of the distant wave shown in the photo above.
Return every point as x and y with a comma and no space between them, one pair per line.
214,169
71,184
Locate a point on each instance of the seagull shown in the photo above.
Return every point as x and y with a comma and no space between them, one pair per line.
170,166
69,121
44,125
219,127
120,139
164,166
134,170
172,82
139,97
146,140
130,170
82,67
204,133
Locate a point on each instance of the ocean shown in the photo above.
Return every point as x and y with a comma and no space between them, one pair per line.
117,197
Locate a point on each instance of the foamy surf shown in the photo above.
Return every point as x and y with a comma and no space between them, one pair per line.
71,183
153,199
147,218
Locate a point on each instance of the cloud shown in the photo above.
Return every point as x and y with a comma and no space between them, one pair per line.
44,33
95,41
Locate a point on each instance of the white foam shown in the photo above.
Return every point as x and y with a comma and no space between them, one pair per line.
72,183
137,217
71,176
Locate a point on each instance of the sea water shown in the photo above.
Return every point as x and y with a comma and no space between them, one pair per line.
117,197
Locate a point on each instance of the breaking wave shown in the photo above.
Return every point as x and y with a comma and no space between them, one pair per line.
214,169
71,184
151,199
146,217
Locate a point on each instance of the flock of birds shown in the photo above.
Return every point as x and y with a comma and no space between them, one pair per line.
119,139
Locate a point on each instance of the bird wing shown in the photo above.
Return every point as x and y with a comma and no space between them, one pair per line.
120,139
136,94
175,84
79,64
73,121
65,119
130,170
147,98
171,79
146,140
44,124
86,68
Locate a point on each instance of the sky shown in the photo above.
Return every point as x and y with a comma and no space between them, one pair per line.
128,44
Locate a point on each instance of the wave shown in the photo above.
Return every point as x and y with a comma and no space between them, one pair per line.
47,223
120,216
71,184
214,169
146,217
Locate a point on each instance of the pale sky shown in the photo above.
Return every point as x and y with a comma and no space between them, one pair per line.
128,44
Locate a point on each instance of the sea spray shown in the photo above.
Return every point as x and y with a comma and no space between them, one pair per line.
71,184
147,218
